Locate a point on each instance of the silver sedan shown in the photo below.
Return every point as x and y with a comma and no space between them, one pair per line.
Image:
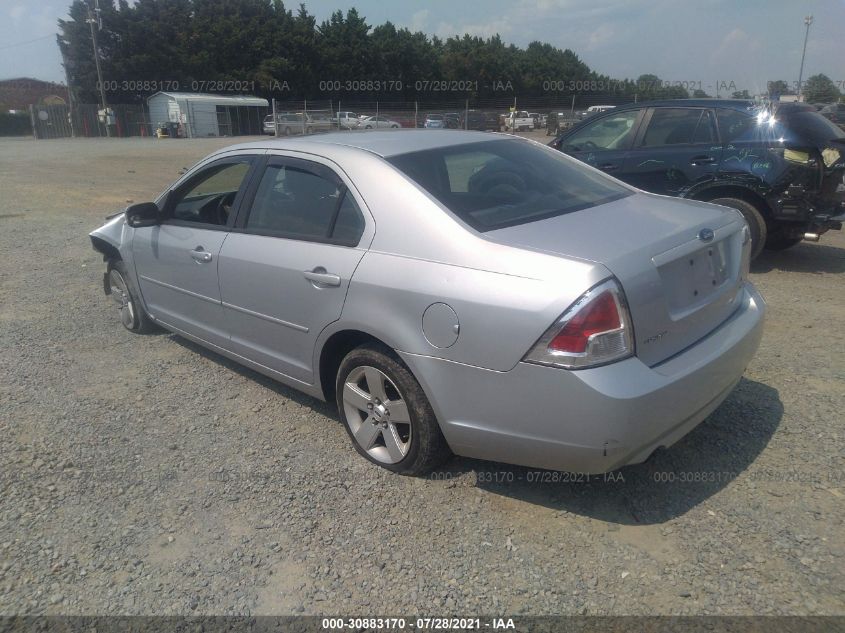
451,291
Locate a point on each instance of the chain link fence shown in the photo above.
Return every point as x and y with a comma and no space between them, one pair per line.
291,118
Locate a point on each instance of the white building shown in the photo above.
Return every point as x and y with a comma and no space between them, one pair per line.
208,115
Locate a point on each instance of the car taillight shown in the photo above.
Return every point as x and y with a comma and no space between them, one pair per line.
595,330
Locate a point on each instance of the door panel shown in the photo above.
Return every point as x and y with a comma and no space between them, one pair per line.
177,274
285,268
176,262
273,309
677,149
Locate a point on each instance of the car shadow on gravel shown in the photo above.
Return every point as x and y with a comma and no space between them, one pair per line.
318,406
666,486
802,258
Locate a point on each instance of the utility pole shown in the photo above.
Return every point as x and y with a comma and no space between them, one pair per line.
91,20
808,20
69,93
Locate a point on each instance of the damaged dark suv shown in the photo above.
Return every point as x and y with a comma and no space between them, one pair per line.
782,166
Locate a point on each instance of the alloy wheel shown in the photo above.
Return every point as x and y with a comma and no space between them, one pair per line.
120,295
377,414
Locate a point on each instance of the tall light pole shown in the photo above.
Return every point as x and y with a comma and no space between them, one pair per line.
808,20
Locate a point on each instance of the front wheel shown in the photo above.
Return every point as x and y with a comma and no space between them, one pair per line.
132,314
386,412
755,220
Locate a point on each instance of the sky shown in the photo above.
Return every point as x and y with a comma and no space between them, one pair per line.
703,43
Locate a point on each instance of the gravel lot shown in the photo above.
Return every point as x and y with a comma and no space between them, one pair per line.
143,475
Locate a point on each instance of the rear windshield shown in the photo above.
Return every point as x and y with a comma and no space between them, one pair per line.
495,184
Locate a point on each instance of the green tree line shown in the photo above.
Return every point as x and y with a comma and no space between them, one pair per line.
261,47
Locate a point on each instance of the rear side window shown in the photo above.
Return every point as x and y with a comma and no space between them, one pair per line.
496,184
296,202
735,125
678,126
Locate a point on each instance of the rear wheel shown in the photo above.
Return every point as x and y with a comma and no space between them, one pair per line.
756,221
386,413
132,314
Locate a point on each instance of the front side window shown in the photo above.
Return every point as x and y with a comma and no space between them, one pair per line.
207,198
676,126
303,202
496,184
610,132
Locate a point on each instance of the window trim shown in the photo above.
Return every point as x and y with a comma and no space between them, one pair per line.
313,167
638,146
168,203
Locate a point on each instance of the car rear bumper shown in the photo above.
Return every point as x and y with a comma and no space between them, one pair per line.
593,420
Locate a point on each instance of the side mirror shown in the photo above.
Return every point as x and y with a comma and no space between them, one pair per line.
142,214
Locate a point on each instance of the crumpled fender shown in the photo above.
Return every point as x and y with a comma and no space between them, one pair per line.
110,238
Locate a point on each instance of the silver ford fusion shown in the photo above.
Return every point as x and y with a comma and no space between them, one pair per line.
451,291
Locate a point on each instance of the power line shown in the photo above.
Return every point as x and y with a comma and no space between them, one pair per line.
37,39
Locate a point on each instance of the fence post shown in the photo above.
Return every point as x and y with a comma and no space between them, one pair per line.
466,113
338,114
304,114
32,121
275,120
416,114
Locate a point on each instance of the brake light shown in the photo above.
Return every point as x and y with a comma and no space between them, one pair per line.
595,330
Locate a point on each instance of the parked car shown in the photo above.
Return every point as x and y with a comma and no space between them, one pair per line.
370,122
288,124
318,122
346,120
482,121
557,122
781,167
454,121
835,112
267,125
449,291
435,122
519,121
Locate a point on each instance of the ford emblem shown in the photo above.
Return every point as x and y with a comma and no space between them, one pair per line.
706,235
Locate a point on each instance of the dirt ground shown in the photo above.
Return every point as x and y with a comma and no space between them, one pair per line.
143,475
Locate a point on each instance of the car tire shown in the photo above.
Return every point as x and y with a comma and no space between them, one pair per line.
756,221
287,131
777,241
132,314
413,446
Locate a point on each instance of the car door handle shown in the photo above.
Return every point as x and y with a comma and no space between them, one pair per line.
200,255
319,277
702,160
608,166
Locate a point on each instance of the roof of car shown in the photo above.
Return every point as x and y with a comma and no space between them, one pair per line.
383,143
735,104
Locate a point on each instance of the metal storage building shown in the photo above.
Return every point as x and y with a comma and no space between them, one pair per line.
207,114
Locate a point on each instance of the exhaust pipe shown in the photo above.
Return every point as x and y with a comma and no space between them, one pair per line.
811,237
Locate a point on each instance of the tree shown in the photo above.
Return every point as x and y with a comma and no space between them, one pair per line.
740,94
779,87
820,89
698,93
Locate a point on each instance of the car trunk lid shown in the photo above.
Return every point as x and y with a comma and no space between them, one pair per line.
679,262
